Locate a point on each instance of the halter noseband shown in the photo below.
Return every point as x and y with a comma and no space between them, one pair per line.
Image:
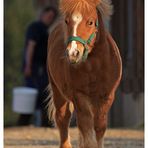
84,42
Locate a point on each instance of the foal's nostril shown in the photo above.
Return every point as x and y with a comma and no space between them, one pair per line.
76,53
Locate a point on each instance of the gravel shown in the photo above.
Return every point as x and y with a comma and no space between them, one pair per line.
31,137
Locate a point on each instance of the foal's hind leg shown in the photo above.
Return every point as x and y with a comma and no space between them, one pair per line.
62,118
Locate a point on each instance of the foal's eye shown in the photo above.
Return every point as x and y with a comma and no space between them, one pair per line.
90,23
66,21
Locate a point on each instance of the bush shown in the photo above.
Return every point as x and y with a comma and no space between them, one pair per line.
18,14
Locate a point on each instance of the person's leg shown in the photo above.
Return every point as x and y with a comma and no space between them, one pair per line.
38,111
37,118
42,81
44,116
24,119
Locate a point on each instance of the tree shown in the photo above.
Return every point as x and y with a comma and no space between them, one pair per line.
41,3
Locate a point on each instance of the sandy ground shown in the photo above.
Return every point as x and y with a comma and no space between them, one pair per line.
30,137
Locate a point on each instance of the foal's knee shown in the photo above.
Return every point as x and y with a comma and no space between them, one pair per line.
62,117
100,128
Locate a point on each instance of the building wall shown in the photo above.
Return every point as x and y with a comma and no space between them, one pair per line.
127,27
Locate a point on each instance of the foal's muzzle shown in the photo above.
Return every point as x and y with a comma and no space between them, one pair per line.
74,54
77,53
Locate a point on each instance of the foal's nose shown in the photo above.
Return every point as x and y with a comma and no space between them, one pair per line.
73,53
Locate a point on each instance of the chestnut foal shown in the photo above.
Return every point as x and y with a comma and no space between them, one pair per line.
84,67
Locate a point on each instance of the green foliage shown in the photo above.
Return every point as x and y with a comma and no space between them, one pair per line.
18,14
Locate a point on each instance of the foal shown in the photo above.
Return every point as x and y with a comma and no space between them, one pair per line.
84,67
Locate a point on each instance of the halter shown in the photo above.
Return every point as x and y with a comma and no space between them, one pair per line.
84,42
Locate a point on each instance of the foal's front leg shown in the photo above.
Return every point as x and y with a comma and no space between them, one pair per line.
62,118
85,123
100,124
100,120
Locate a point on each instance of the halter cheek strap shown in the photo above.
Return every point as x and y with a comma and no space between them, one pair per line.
84,42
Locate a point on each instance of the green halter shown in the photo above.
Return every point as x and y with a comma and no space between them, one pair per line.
84,42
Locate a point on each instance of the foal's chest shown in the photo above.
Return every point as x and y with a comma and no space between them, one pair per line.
84,78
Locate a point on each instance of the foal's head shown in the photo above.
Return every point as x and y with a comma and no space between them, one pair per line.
81,26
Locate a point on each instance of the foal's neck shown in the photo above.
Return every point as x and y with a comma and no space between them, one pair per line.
102,28
101,34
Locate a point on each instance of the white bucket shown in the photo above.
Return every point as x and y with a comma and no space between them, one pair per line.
24,100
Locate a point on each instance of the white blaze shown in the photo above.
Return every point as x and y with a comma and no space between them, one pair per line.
77,18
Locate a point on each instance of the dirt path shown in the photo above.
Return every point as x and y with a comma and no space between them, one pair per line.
30,137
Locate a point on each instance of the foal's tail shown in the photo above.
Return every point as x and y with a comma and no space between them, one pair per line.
51,109
50,105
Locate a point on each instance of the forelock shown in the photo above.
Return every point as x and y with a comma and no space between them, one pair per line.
83,7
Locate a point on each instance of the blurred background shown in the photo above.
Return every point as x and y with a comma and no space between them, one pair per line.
126,27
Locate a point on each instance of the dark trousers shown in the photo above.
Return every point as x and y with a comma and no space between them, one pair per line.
38,80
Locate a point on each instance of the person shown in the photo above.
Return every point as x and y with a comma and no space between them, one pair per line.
34,63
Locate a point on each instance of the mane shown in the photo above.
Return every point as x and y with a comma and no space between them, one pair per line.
105,7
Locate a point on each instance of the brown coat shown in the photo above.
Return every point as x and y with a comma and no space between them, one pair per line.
90,86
